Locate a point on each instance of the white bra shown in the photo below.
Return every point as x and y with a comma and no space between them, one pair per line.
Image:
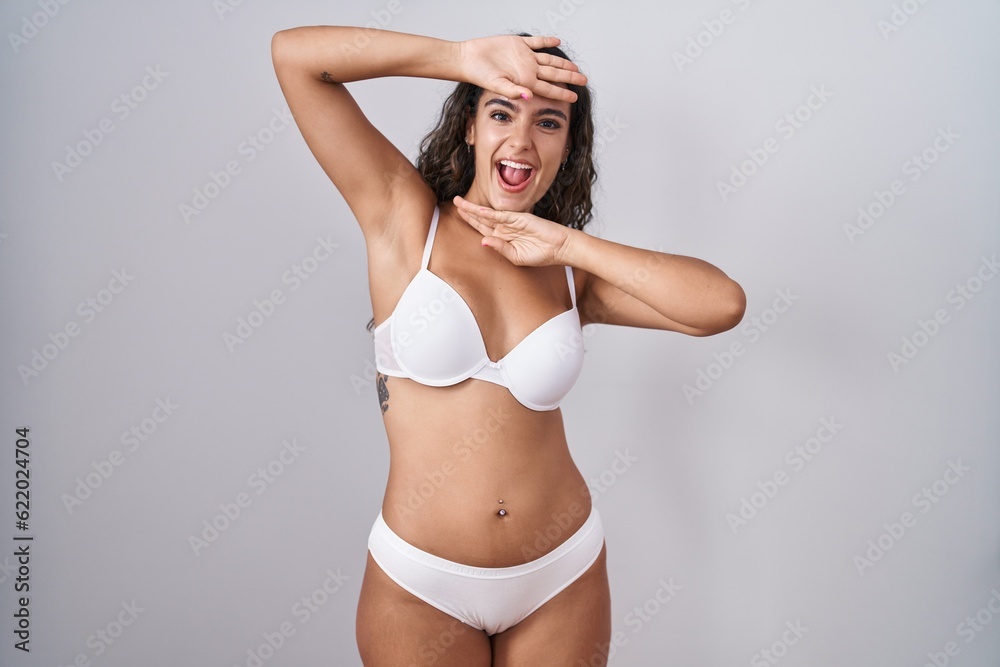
433,338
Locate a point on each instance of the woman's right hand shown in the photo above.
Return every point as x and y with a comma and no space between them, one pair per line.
506,64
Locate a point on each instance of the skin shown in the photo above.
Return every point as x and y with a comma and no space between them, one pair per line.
473,440
525,461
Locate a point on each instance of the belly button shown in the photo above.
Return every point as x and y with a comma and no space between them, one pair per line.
502,511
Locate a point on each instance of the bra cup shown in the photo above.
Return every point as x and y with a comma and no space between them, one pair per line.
434,334
544,367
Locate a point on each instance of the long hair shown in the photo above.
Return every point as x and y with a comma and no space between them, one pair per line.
448,166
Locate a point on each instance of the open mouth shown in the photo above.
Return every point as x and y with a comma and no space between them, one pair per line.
514,176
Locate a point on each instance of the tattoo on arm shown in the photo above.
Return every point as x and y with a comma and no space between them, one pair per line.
326,77
383,392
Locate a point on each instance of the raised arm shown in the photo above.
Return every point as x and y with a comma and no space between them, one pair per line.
313,64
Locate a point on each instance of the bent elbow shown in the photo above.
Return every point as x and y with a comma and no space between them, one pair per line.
736,305
729,311
287,45
277,46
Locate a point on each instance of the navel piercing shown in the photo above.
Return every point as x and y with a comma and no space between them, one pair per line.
502,512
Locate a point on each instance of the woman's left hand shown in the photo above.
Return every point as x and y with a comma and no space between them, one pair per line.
523,238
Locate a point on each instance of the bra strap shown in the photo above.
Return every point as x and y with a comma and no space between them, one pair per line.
572,286
430,240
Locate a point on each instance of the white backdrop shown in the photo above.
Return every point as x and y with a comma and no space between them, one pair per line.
185,300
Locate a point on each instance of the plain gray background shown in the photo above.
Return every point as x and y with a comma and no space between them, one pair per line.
827,306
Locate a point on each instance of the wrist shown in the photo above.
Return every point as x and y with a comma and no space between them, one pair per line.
436,59
455,61
573,248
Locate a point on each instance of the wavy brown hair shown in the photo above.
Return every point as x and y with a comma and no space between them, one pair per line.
448,166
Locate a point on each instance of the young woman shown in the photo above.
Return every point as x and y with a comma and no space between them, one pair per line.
487,550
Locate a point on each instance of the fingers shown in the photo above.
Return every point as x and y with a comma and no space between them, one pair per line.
554,69
554,92
483,214
550,60
541,41
492,224
474,213
509,89
465,206
556,75
549,74
481,225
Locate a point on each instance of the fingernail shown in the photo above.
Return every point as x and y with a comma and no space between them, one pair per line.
483,242
524,96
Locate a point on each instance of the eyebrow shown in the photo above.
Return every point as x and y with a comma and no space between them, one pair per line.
548,111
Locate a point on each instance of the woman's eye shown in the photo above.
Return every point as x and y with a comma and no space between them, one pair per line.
550,124
499,115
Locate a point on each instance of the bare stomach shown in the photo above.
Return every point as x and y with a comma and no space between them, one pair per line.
457,452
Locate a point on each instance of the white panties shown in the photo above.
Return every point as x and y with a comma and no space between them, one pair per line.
490,599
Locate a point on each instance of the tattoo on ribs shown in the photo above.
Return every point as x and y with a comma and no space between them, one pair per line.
383,391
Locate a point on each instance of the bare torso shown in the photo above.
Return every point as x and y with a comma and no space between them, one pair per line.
457,451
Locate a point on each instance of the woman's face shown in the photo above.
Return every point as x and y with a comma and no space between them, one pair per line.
519,146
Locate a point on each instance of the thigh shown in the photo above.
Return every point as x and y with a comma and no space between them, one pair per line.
397,629
570,629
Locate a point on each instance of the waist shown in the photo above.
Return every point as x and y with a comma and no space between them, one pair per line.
486,507
591,530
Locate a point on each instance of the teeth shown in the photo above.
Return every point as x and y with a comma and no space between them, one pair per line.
515,165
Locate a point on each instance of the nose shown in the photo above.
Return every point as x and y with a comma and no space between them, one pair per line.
520,135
